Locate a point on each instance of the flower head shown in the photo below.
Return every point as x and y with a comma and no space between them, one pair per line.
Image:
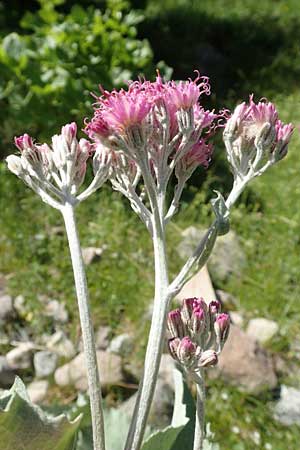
255,137
198,332
55,172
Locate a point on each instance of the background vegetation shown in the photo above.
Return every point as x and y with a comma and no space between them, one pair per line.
52,54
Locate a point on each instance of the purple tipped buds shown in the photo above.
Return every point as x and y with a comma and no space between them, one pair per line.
173,345
198,332
175,323
186,351
187,308
69,132
208,358
198,322
222,325
23,142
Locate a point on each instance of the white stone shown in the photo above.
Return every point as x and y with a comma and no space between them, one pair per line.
261,329
167,365
199,285
74,372
21,356
91,254
61,345
236,318
287,410
45,363
122,344
37,390
19,305
57,311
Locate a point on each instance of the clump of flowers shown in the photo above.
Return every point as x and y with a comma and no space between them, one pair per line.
198,333
255,138
56,172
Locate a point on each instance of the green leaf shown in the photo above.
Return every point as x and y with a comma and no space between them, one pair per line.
25,426
165,439
221,212
13,45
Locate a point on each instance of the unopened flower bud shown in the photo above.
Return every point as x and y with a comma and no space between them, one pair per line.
187,308
23,142
214,309
222,325
198,322
186,350
175,323
14,164
69,132
266,136
173,345
208,358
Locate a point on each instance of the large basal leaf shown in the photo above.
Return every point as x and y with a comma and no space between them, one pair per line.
165,439
24,426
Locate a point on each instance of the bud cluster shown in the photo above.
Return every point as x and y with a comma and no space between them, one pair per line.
198,333
56,172
255,138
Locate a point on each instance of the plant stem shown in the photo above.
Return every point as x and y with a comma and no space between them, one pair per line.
86,327
155,340
200,413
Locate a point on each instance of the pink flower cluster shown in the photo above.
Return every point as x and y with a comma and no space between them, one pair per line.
66,158
198,332
117,113
249,119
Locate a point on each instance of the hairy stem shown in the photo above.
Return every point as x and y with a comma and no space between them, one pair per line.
156,337
86,327
200,414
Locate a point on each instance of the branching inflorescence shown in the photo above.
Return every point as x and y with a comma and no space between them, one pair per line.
141,137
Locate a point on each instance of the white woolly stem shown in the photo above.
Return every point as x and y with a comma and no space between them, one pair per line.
200,415
86,327
156,335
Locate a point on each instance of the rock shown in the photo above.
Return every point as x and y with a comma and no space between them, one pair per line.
226,259
19,305
44,363
236,318
57,311
243,363
21,356
7,375
162,405
102,337
91,254
167,365
191,236
263,330
199,285
161,408
121,345
37,390
6,307
61,345
228,300
74,372
287,409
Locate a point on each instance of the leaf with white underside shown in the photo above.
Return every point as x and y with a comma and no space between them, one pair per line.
24,426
